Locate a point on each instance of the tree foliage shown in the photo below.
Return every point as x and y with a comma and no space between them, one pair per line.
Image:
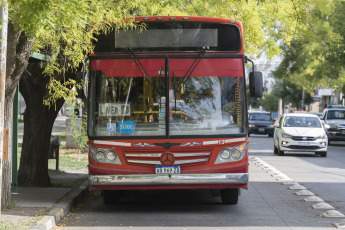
315,56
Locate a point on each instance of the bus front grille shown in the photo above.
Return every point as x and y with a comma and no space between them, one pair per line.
153,158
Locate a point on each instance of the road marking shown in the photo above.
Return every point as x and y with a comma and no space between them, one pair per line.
313,199
281,177
304,193
322,205
297,186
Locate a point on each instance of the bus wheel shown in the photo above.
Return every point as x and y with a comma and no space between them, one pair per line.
111,196
229,196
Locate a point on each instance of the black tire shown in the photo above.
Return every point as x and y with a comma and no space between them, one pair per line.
111,196
329,142
248,134
229,196
275,151
323,154
280,152
270,135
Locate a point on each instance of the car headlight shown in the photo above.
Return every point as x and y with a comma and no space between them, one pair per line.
287,136
251,126
231,154
104,155
333,125
321,136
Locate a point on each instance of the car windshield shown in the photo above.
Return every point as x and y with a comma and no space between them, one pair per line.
260,116
309,122
336,114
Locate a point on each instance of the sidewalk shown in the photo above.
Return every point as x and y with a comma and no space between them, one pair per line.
40,208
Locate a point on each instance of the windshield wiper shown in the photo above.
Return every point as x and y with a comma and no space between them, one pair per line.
142,69
139,65
194,65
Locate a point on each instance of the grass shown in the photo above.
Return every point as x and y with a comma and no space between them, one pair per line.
72,166
69,160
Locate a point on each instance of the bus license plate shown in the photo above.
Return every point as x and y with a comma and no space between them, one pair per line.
304,143
168,169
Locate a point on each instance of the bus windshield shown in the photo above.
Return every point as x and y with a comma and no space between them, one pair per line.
124,102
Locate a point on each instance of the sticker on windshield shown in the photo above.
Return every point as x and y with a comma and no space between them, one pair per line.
126,126
114,109
111,127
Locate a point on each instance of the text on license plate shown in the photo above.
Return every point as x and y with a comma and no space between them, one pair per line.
304,143
168,169
261,129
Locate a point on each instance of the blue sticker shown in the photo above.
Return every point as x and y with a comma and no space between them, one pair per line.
111,127
126,126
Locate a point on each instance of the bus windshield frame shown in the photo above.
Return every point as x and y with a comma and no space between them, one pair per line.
164,103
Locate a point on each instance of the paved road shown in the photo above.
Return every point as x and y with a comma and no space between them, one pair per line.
268,204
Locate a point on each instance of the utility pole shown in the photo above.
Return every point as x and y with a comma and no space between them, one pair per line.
3,53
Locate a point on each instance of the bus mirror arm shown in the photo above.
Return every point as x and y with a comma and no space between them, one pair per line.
255,81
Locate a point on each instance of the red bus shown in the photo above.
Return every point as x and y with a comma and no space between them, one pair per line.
167,108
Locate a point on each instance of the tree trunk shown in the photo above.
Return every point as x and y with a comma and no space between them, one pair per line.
38,125
18,53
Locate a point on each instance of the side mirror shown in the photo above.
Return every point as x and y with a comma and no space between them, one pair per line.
326,126
255,84
276,125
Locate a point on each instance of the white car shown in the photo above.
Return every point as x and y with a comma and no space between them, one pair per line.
298,132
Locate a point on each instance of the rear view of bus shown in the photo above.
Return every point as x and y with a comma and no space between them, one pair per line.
167,108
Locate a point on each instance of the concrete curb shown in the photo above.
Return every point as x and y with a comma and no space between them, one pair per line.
61,209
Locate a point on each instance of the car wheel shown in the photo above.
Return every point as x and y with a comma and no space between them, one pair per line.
275,151
280,152
111,196
229,196
323,154
248,134
329,142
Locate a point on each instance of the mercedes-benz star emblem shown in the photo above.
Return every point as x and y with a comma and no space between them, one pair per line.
167,159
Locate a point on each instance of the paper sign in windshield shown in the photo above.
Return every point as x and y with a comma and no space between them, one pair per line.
114,109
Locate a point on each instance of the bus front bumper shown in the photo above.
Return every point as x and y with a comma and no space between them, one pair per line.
168,179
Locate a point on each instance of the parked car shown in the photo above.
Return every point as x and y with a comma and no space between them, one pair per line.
335,119
297,132
260,123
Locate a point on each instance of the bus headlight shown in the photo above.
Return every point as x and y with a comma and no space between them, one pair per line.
100,156
110,155
236,154
231,154
104,155
225,154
